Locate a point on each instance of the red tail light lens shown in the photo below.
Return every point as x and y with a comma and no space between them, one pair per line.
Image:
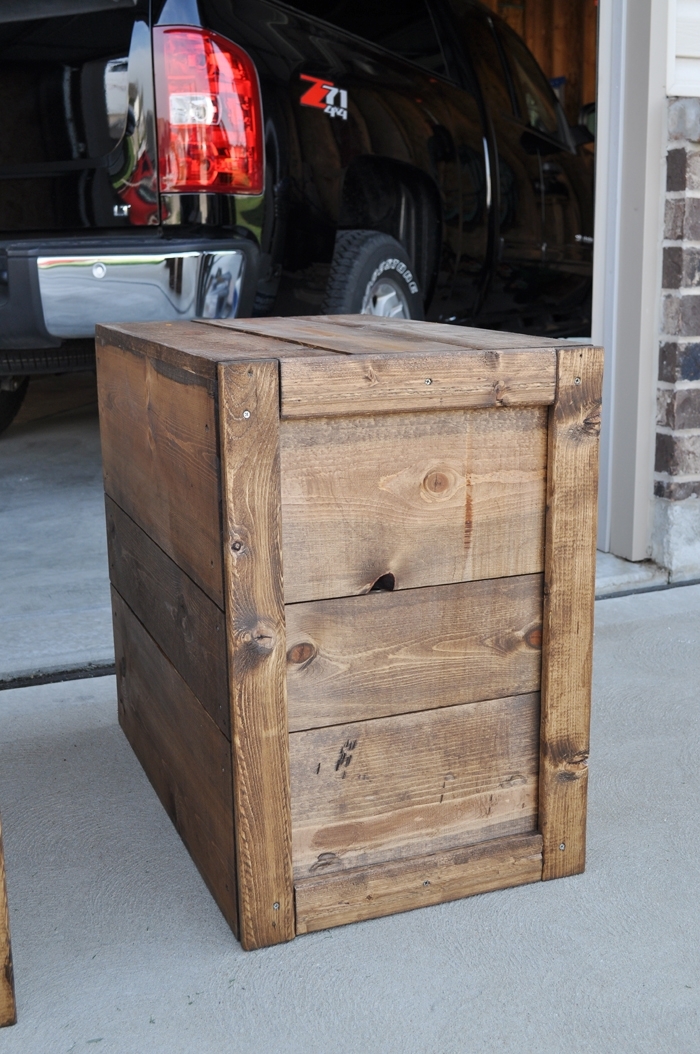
209,114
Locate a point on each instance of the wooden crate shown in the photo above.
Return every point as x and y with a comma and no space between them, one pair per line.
401,717
8,1009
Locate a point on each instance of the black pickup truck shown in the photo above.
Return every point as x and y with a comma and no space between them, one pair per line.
180,158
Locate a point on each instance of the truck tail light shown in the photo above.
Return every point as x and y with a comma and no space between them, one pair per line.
209,114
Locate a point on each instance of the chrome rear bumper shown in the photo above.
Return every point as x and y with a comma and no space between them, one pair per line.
77,292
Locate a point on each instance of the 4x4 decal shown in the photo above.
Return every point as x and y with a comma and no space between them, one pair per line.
324,95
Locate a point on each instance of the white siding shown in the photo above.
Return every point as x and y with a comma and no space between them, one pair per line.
684,48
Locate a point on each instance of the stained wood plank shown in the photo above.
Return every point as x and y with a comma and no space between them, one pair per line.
186,625
572,489
372,384
160,459
197,346
350,334
184,754
429,498
385,889
391,653
249,423
8,1007
403,786
411,332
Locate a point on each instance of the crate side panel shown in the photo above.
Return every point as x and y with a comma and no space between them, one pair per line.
404,786
185,624
185,756
430,498
395,652
385,889
160,459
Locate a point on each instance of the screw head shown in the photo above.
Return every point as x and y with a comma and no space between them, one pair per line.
577,380
237,546
426,883
246,414
562,846
428,380
276,906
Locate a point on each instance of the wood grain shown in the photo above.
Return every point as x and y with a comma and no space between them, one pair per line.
183,753
446,379
185,624
572,489
411,332
160,460
391,653
353,334
8,1007
431,498
249,424
403,786
197,346
385,889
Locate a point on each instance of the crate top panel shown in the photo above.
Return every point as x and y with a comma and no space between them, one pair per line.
352,364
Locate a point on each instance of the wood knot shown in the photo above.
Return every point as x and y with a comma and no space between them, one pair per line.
533,637
439,483
260,638
591,423
436,482
301,653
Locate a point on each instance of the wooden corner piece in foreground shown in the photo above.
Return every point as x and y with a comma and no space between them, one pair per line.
569,591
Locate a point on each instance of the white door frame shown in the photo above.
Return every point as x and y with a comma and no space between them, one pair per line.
630,191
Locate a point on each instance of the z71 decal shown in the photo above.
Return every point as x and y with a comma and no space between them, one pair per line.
323,95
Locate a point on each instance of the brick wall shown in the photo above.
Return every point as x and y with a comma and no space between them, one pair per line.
676,533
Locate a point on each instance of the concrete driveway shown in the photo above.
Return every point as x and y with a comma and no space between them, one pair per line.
54,602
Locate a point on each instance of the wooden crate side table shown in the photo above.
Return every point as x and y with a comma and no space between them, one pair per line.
8,1008
352,566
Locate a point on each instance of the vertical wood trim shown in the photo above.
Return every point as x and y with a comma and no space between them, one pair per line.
252,542
567,646
8,1008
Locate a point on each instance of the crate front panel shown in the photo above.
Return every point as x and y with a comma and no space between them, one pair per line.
430,498
406,786
384,653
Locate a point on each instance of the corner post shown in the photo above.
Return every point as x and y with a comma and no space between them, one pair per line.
8,1008
255,629
569,592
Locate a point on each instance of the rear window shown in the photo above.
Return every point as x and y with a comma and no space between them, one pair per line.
405,27
536,99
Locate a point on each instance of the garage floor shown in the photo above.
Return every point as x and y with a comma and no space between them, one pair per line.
119,947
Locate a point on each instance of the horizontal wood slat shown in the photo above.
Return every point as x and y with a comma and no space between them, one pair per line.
417,333
195,347
385,889
183,753
390,653
353,334
160,460
419,783
8,1007
372,384
185,624
429,498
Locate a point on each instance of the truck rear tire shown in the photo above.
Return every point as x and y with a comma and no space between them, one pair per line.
371,274
11,399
